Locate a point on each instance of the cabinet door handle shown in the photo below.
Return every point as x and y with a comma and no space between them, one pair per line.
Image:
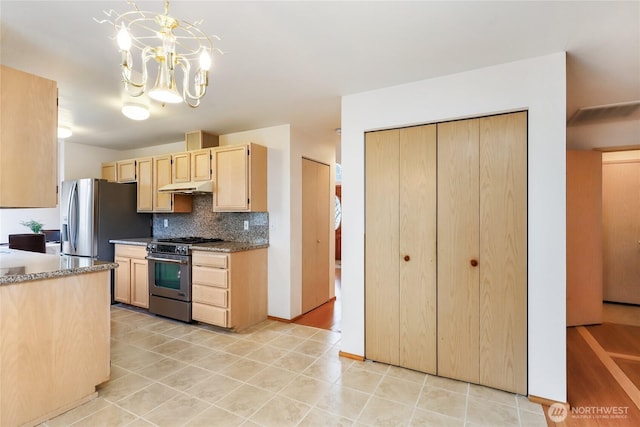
407,258
474,262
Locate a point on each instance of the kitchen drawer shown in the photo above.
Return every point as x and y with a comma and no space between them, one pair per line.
131,251
209,276
209,259
209,295
209,314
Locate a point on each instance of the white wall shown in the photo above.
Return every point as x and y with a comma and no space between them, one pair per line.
10,220
537,84
156,150
84,161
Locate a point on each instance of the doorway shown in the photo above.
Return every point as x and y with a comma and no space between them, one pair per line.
329,315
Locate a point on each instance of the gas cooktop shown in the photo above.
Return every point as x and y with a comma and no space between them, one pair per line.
188,240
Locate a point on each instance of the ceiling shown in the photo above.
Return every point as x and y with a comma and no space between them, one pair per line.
290,62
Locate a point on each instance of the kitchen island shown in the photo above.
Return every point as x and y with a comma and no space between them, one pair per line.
54,333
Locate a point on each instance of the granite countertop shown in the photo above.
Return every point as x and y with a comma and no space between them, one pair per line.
22,266
211,247
228,246
141,241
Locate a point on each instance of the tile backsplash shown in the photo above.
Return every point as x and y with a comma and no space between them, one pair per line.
203,222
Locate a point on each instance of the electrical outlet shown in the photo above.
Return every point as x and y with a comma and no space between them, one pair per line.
246,225
166,223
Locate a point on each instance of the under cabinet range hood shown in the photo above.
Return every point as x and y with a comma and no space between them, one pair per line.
191,187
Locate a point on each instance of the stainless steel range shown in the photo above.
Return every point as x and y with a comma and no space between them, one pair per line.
170,276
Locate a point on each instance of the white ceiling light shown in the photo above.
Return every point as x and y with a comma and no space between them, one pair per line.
64,132
135,111
137,28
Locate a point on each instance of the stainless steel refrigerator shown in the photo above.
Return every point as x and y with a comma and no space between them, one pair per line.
94,211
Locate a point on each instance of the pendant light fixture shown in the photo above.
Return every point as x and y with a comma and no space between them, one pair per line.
173,45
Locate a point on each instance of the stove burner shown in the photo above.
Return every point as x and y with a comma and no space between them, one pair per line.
188,240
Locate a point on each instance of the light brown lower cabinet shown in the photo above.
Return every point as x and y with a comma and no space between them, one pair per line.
131,284
229,290
446,249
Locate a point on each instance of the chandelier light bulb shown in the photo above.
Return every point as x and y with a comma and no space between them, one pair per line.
205,60
124,39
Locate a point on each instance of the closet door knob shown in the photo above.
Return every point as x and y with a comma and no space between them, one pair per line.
407,258
474,262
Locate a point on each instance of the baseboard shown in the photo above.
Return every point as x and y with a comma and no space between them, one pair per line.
283,320
295,319
351,356
546,402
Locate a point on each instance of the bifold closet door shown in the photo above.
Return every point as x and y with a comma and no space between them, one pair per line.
503,252
400,248
418,248
382,260
446,249
458,250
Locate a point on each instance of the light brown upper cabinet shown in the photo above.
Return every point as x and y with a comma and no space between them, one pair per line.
153,173
29,117
181,167
621,209
198,139
126,171
201,165
167,202
109,171
316,207
446,249
240,178
145,184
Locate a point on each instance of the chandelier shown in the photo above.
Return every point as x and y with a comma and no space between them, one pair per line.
173,44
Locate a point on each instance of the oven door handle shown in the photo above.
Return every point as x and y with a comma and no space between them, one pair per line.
175,261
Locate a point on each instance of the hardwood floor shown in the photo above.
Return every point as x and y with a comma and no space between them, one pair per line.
603,370
329,314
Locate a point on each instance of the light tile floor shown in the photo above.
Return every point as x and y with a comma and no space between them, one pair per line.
167,373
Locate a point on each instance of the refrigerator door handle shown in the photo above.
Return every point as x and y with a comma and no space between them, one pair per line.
71,219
